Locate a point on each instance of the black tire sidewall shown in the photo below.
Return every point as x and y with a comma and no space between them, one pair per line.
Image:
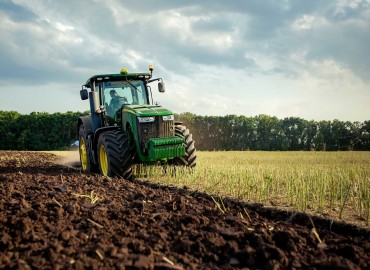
118,153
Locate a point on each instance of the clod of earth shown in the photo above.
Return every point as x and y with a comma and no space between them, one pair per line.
136,225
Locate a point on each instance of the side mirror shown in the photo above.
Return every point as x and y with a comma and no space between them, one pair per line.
161,87
84,95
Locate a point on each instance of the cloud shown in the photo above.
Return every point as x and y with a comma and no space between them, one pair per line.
202,48
17,12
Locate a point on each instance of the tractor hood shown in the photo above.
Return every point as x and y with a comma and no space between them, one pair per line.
147,110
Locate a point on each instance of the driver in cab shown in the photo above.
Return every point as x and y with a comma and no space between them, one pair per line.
116,101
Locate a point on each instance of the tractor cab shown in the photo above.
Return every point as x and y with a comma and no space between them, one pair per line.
110,93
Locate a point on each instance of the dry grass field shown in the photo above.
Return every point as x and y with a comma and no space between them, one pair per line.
331,184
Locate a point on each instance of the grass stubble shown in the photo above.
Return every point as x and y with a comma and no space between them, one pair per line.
332,184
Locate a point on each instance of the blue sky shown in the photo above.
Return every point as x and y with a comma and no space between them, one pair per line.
307,59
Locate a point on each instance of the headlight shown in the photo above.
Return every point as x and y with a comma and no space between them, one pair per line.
168,117
147,119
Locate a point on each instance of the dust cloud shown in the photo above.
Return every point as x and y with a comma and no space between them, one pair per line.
69,159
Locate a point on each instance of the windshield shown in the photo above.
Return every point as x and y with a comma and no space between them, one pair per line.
118,93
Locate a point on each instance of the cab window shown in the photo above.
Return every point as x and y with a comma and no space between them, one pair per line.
119,93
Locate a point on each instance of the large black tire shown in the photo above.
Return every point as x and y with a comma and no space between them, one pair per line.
114,155
87,164
190,158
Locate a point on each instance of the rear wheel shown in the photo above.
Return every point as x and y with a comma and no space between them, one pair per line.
190,158
114,155
84,150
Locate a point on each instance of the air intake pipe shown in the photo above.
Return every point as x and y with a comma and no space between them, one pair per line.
95,110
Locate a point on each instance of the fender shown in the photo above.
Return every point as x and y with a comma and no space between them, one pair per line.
87,122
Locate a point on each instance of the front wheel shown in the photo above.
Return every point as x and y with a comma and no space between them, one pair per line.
190,158
114,155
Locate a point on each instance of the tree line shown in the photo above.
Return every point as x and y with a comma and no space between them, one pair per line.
37,130
44,131
268,133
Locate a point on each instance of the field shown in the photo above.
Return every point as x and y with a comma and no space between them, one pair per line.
52,216
332,184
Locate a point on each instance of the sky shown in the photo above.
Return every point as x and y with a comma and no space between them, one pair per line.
307,59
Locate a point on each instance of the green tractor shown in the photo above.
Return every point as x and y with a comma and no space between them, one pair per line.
125,127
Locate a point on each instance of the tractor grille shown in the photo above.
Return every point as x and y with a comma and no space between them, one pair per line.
156,129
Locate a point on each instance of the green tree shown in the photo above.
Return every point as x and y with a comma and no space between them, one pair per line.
7,129
309,135
294,129
364,139
270,134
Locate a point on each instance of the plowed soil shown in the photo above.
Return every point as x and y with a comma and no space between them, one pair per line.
54,217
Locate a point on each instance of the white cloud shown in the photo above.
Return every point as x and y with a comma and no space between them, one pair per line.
63,27
308,59
307,22
182,28
343,5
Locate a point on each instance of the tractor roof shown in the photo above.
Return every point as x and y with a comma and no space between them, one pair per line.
118,77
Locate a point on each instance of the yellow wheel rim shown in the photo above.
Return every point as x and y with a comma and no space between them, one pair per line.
83,154
103,160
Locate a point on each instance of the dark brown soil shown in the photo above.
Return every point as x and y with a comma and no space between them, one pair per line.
49,219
